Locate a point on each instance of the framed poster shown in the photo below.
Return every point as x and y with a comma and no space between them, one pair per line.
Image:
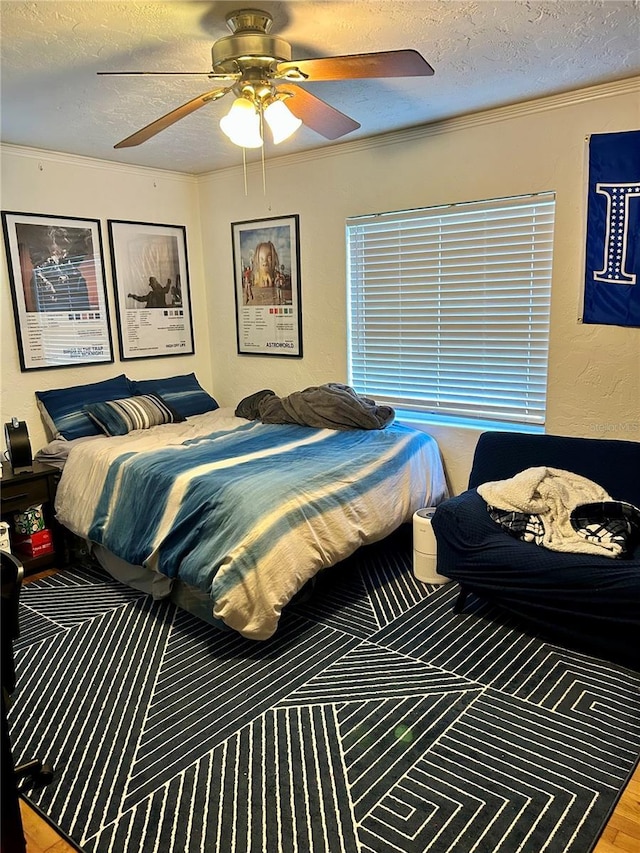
266,264
56,273
151,281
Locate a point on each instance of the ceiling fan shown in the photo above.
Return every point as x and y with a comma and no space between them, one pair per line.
258,69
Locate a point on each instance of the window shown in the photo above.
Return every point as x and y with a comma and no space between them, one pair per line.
449,308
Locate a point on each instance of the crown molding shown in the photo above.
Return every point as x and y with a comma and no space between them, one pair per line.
630,85
42,156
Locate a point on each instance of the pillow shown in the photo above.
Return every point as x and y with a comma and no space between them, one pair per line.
62,409
184,393
118,417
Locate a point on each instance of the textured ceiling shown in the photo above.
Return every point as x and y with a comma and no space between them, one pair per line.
485,54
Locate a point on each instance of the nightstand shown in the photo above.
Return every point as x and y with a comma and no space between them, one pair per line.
20,491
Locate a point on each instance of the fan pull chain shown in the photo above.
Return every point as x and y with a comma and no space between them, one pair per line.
244,170
264,179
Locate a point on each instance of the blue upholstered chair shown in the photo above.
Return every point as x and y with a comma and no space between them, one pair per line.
586,602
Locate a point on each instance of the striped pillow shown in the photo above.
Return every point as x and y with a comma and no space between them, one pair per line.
118,417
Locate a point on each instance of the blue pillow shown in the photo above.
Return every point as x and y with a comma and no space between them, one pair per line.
184,393
62,409
118,417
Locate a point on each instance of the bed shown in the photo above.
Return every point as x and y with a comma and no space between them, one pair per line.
231,518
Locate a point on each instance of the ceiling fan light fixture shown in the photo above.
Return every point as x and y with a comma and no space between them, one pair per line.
252,63
242,124
281,120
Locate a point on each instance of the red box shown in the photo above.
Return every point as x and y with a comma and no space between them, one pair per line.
34,544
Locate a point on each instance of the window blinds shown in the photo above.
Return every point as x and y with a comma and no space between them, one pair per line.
449,307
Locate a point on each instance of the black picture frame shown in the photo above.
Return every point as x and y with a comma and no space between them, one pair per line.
150,268
58,290
267,289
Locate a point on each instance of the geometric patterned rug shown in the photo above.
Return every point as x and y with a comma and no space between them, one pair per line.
375,720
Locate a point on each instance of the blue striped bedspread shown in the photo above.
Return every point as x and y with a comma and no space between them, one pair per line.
246,511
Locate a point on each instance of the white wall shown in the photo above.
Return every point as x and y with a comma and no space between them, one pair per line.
594,374
60,185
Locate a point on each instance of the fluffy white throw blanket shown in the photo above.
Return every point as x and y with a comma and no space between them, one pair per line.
552,495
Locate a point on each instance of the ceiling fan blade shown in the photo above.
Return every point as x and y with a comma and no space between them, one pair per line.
390,63
211,74
170,118
319,116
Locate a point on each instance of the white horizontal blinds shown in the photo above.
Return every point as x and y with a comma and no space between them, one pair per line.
449,307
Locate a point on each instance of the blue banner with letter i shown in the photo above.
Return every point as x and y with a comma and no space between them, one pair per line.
612,276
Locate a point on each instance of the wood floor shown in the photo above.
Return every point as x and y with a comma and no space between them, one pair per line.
623,830
621,835
40,837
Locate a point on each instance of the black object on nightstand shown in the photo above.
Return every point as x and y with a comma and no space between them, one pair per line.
19,492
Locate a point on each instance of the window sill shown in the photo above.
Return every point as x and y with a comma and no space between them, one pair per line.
413,418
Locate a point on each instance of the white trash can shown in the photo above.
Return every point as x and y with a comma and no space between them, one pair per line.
425,553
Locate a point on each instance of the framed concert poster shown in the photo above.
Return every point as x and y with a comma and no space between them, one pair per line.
56,274
151,280
266,264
